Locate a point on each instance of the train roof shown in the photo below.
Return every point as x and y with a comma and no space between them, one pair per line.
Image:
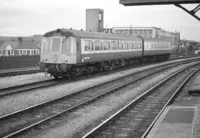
99,35
86,34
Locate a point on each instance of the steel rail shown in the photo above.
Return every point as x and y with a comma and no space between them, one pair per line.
27,87
19,72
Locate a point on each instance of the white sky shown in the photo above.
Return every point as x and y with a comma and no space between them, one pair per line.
28,17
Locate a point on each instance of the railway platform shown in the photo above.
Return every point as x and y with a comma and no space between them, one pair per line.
181,119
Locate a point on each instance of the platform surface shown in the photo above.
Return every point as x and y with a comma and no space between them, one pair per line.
179,120
175,122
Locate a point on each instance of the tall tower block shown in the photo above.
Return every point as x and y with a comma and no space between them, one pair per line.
94,20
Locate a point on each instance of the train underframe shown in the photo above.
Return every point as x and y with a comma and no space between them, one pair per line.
67,70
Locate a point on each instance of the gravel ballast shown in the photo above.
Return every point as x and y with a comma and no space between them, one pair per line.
79,120
21,79
24,100
30,78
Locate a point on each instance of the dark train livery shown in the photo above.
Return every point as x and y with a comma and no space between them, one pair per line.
70,52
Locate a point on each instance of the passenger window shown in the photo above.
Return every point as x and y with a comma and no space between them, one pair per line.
120,46
125,46
106,45
153,45
113,45
97,45
87,45
92,45
134,45
117,45
129,45
149,45
140,45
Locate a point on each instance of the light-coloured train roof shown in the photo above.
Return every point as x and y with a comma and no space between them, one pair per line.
97,35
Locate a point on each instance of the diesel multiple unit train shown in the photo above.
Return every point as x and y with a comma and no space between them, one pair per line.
68,52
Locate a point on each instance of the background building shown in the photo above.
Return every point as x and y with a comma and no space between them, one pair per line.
94,20
189,46
13,48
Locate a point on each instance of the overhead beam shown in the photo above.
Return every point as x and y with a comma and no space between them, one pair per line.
165,2
192,12
156,2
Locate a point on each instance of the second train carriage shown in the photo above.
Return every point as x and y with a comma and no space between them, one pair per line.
71,52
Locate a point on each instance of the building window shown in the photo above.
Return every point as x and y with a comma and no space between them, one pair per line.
9,52
28,52
16,52
23,52
32,52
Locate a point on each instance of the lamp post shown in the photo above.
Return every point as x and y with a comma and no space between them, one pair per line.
142,45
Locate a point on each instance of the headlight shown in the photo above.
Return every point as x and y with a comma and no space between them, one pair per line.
55,59
44,59
66,60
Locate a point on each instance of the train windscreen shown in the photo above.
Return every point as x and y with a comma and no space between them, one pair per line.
46,42
66,46
55,44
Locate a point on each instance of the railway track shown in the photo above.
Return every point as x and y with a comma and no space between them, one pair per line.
27,87
47,83
138,117
5,73
23,120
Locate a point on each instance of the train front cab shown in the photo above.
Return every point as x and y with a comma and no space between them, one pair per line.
58,54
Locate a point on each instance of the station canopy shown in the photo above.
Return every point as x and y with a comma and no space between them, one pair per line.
177,3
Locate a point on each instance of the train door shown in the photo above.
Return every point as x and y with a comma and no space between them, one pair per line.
78,49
